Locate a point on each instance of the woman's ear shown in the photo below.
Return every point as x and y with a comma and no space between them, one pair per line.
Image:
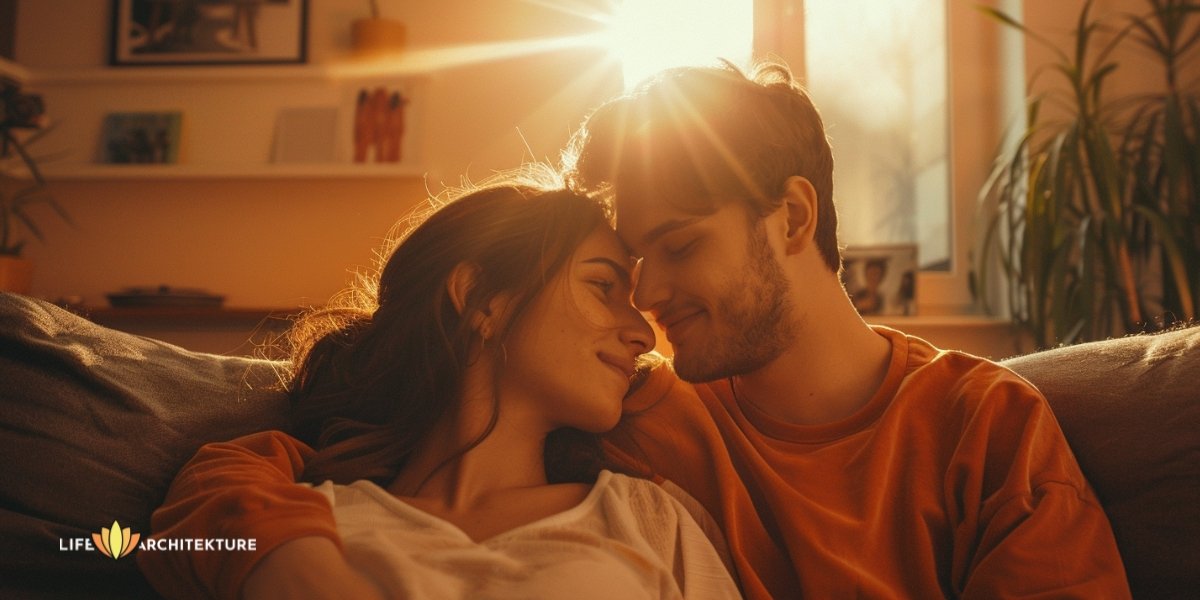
459,284
800,200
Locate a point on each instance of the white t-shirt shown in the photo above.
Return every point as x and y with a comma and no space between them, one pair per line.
628,539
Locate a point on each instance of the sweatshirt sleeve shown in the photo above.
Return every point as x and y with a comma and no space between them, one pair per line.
1029,524
243,489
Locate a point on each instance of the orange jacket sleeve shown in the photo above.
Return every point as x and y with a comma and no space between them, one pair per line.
243,489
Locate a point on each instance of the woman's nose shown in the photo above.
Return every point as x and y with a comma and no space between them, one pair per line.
636,332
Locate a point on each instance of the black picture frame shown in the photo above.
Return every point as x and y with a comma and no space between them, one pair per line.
208,32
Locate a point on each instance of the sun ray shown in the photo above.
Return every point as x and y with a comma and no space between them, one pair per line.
422,60
687,118
585,10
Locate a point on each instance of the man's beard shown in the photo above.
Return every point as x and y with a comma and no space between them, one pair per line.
752,325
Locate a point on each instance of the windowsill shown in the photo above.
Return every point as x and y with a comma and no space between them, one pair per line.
965,321
986,336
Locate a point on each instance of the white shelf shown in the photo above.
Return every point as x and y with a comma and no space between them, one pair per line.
230,116
94,172
228,74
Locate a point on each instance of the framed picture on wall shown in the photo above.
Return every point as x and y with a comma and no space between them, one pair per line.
208,32
881,280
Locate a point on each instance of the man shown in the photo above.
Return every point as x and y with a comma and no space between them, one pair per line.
840,460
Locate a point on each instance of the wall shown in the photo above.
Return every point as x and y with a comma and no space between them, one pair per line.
1137,72
271,242
275,242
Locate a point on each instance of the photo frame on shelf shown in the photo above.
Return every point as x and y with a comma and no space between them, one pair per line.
141,138
380,121
305,135
208,32
881,280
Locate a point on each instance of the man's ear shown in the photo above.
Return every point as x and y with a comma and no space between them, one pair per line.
800,204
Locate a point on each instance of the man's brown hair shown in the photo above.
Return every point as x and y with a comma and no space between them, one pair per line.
699,136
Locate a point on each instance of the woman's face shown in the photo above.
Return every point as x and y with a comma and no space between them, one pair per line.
570,357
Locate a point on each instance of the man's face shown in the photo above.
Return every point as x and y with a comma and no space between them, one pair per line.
712,283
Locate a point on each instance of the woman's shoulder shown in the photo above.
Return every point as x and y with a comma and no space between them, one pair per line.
621,483
669,518
644,497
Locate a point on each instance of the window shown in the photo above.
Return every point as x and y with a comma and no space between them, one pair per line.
651,35
877,72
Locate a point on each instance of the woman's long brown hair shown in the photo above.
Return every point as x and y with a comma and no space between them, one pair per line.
376,370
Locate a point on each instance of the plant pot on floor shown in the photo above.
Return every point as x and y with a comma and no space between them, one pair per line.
16,275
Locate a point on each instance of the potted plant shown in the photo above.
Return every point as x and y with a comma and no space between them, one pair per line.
1093,216
21,184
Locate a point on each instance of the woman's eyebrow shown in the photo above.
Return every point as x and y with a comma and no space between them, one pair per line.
622,272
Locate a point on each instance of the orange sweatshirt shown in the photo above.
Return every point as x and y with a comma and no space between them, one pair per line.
953,481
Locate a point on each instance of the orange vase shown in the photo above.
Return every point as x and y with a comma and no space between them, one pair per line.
375,38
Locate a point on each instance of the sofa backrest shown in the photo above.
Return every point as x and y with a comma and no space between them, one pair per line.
94,424
1130,409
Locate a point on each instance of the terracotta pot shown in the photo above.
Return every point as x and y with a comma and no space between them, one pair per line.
377,37
16,275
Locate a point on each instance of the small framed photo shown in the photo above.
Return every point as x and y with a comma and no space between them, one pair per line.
141,137
208,32
881,280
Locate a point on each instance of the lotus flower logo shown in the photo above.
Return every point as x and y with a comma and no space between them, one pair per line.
115,542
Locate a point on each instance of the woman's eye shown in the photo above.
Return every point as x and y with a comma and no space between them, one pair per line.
606,286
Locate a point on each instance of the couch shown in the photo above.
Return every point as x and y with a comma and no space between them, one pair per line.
95,422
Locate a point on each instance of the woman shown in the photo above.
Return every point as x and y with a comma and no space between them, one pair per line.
456,463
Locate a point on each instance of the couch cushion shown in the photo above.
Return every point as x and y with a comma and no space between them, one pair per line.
94,423
1130,409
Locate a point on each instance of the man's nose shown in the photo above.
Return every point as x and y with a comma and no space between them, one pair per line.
652,289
